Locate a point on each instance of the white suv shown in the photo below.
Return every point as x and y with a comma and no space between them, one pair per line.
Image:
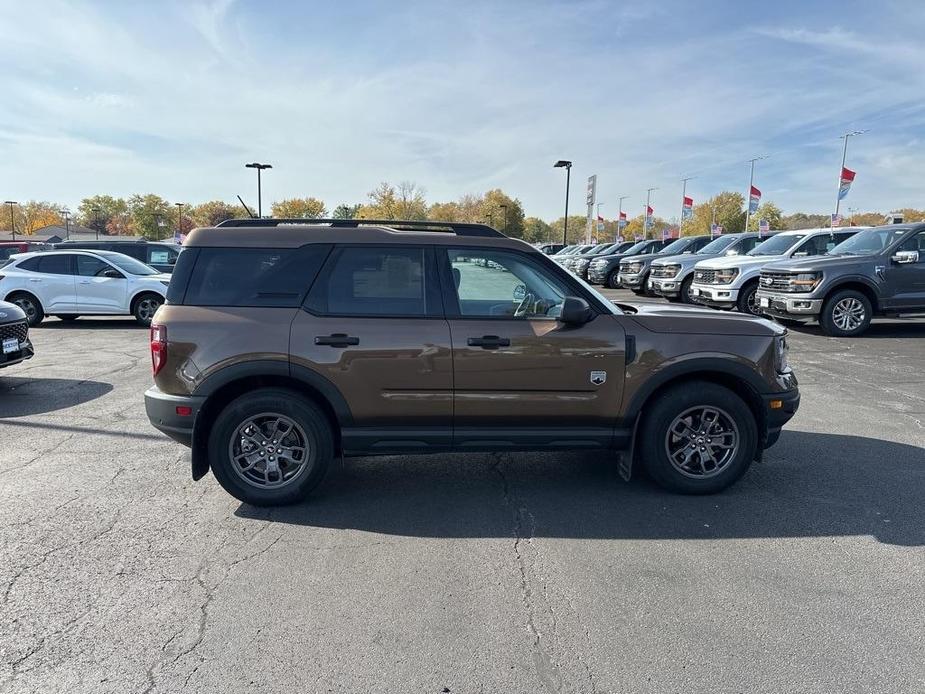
68,284
733,282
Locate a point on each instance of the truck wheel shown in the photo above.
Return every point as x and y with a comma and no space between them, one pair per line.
684,295
748,299
30,306
845,314
611,280
697,438
270,447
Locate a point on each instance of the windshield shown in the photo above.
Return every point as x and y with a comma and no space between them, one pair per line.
777,245
675,247
718,245
596,249
868,242
637,248
130,265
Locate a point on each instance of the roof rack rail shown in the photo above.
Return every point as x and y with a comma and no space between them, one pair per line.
458,228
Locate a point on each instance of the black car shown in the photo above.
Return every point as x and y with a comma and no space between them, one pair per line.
161,255
14,335
604,269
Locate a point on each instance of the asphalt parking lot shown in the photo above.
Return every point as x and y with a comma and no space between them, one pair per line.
491,573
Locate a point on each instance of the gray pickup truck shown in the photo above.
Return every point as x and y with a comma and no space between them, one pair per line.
878,271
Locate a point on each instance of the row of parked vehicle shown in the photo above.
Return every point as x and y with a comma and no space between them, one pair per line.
840,277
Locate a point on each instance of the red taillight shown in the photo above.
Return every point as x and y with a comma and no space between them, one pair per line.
184,411
158,347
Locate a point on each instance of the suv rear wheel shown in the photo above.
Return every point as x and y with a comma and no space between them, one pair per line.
270,447
698,438
30,306
145,307
845,314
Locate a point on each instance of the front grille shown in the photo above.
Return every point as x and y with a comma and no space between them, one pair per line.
19,330
776,280
705,276
664,271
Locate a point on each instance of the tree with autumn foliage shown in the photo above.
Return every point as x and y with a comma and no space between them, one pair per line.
31,216
387,201
299,208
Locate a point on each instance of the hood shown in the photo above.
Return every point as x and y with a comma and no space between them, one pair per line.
692,320
160,277
682,258
739,261
618,256
643,257
818,262
10,313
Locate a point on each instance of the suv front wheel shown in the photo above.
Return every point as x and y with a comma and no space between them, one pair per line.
270,447
697,438
845,314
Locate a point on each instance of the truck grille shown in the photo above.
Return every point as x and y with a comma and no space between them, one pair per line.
775,280
705,276
19,330
664,270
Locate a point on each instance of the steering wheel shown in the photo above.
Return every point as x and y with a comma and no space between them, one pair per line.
521,309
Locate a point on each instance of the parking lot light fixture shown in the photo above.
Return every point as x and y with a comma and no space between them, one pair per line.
567,165
67,223
12,221
260,167
179,217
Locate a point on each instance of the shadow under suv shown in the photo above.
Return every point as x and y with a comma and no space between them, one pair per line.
278,350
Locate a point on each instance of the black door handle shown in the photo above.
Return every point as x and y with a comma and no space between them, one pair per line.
488,342
337,340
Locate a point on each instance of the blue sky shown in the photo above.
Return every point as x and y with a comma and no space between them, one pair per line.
460,97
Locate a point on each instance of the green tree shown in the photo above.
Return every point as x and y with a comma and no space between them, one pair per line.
576,229
150,216
728,209
299,208
802,220
390,202
29,217
344,211
506,212
213,212
97,211
769,211
536,230
636,228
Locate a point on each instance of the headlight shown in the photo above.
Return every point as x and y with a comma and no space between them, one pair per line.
726,276
805,281
782,350
631,268
670,270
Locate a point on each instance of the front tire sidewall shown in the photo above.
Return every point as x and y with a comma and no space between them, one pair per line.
742,303
278,401
136,308
38,316
661,414
611,280
827,322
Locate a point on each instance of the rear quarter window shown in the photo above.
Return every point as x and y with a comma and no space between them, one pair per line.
271,277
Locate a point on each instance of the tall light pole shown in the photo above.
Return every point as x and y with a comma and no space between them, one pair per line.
567,165
645,213
748,195
67,222
504,212
259,167
844,158
179,217
619,218
683,195
12,221
96,221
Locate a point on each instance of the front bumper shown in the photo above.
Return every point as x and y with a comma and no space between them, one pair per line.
714,295
598,275
164,414
26,351
664,286
631,281
779,409
777,304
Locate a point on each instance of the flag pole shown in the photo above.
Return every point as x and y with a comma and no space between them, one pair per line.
844,158
748,197
620,217
683,195
645,214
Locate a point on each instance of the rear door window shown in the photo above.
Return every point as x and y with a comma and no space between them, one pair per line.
376,281
55,264
273,277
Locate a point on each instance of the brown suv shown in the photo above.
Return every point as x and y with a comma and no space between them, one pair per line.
284,343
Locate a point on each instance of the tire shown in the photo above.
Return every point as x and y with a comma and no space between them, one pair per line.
846,314
145,306
30,304
714,403
747,302
684,295
264,406
67,317
611,280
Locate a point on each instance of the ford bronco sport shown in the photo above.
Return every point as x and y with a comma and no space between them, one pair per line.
285,343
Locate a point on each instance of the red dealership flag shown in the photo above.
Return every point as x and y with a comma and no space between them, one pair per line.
844,183
754,197
687,207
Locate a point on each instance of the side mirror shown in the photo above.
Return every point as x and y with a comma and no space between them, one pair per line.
801,254
113,274
732,252
575,311
906,257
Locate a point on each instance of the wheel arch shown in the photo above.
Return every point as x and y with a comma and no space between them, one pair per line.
142,292
14,292
224,386
857,284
